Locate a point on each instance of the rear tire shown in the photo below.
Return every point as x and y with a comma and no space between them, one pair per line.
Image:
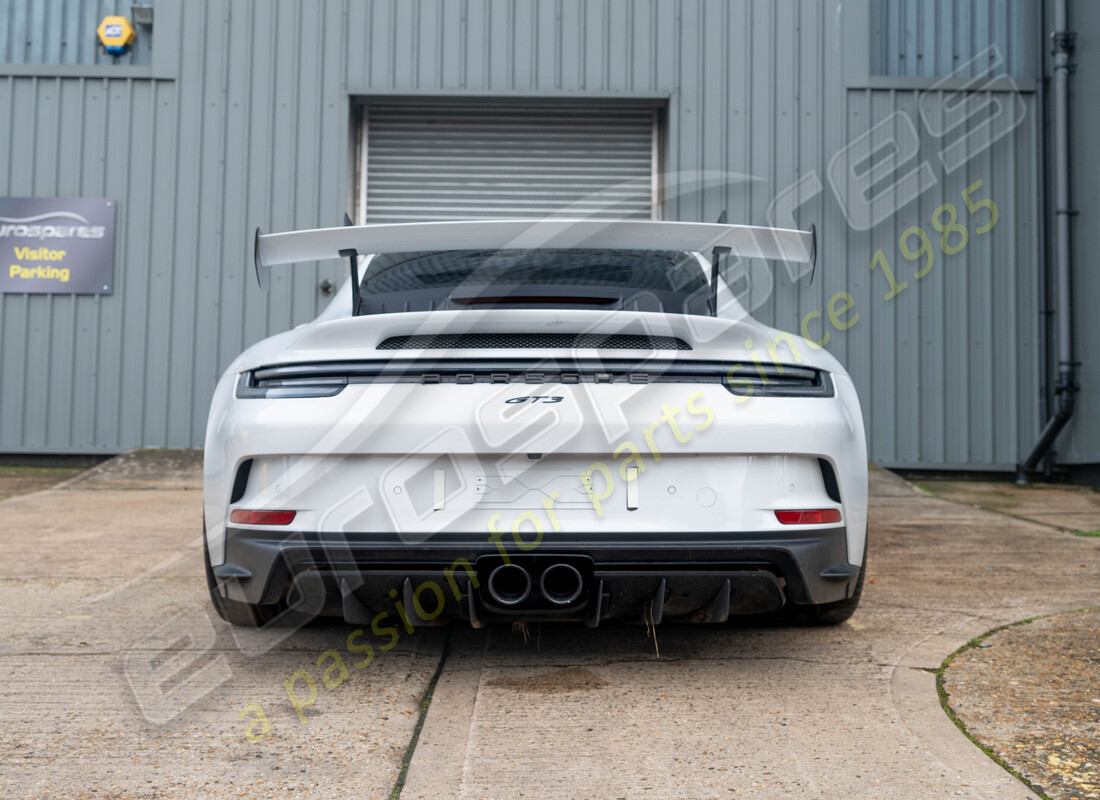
830,613
841,610
248,615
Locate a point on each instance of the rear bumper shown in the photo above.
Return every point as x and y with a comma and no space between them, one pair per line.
702,577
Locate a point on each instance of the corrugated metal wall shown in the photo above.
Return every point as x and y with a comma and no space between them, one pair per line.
64,32
933,38
255,129
244,136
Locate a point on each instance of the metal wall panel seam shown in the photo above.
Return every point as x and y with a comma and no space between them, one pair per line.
894,312
305,125
70,430
148,258
28,299
269,141
37,45
394,47
440,46
818,139
246,304
898,374
414,40
355,61
81,117
232,259
311,88
286,164
1002,298
1017,358
321,207
463,69
104,85
224,236
775,91
59,400
16,46
52,395
162,300
122,276
581,41
284,172
605,78
47,374
700,11
22,415
510,45
7,25
1029,430
199,120
989,312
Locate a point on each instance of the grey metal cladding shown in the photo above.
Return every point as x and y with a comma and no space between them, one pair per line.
64,32
256,129
933,38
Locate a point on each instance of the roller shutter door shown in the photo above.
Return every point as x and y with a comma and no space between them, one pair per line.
506,161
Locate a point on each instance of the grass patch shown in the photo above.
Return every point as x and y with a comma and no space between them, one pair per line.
1095,533
32,472
924,489
25,480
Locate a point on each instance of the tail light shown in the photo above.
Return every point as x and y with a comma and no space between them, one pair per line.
244,516
812,516
250,385
777,380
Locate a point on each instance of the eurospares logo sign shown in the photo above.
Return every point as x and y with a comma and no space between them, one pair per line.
57,245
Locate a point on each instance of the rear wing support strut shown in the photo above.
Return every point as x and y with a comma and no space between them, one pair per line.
352,256
715,257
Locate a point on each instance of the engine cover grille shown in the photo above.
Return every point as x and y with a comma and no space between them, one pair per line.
532,341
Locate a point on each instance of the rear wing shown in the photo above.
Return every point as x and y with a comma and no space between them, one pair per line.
351,241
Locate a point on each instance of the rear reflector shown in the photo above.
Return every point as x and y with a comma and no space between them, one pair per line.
817,516
244,516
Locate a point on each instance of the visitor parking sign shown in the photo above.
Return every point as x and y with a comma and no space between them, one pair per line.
57,245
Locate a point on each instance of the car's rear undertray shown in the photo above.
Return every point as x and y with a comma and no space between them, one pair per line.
579,577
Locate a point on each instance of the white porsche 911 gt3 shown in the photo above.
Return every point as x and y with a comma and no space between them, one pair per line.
505,420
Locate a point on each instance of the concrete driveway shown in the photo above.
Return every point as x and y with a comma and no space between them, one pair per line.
119,680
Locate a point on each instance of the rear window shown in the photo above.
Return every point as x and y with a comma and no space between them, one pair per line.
674,281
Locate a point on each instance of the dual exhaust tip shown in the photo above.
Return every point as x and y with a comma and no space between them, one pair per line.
511,584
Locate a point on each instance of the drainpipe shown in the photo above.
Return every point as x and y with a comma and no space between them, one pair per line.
1066,387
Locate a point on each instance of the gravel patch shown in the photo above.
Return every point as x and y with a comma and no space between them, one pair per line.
24,480
1030,693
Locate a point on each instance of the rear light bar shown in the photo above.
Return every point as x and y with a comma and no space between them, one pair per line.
815,516
328,379
244,516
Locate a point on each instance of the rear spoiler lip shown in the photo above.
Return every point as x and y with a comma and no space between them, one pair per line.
319,244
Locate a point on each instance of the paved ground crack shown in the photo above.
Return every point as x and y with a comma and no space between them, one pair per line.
935,610
1002,513
425,703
